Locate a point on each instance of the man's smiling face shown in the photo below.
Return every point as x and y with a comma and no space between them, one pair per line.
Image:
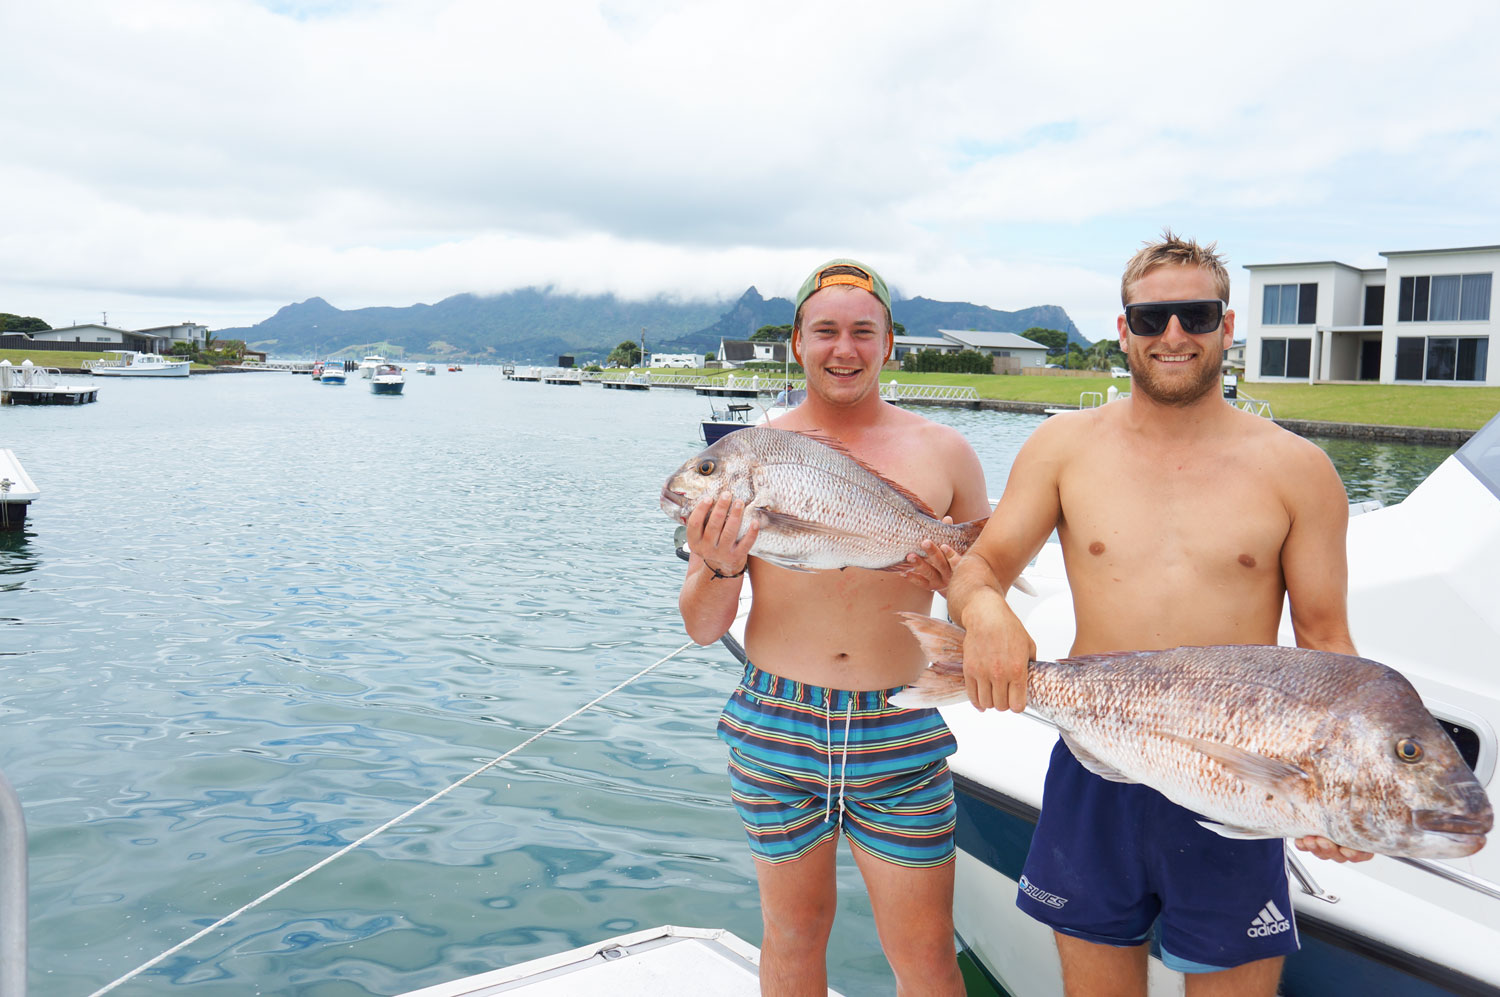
843,340
1177,367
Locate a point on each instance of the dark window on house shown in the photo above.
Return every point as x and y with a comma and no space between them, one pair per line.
1272,357
1409,351
1289,304
1374,305
1298,353
1307,304
1445,298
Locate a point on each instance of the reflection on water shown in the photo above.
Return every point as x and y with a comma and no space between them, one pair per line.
228,657
1384,471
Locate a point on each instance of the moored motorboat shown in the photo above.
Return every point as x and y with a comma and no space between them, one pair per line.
721,422
334,372
426,368
131,363
368,364
17,491
387,379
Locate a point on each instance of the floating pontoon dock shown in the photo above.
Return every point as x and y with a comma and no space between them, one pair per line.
28,385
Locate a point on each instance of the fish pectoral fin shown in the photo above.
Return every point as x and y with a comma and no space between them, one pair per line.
1102,769
1251,766
1237,833
788,523
1023,586
783,562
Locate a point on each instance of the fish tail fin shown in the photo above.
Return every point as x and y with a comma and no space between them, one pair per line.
942,682
968,533
942,642
1023,586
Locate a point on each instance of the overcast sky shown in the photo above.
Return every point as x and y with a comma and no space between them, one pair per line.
214,160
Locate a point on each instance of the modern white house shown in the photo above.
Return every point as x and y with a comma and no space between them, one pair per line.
182,332
1425,318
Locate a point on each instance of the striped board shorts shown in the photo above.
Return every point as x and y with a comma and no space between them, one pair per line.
805,761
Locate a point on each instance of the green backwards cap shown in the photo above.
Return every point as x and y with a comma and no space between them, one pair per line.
847,272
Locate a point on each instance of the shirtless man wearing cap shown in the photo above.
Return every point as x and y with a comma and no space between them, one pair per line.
814,747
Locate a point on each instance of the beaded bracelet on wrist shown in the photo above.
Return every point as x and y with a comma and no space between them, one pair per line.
719,574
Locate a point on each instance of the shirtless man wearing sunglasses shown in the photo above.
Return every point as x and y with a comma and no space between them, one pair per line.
1183,521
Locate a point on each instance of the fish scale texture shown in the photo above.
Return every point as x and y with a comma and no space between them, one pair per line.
1137,712
842,514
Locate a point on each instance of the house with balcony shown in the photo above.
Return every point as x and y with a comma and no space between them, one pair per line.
1424,318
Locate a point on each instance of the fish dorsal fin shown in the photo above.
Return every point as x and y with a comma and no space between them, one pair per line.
1235,833
839,447
1102,769
1253,767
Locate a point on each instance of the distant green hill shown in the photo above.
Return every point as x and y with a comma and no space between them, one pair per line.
535,326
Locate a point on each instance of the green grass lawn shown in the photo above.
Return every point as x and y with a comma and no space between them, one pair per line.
67,359
1374,404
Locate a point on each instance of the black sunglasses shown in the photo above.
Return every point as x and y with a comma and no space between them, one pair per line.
1197,316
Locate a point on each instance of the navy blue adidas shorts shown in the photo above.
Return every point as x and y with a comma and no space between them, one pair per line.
1112,860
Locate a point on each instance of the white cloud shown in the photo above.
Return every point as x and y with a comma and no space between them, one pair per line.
216,159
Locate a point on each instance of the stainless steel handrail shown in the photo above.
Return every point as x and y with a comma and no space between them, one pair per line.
12,892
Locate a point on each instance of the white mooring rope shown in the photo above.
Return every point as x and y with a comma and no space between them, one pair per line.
388,824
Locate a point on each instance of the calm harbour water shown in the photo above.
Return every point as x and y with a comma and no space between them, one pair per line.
254,617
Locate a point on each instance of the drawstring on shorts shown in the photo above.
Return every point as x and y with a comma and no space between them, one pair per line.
843,760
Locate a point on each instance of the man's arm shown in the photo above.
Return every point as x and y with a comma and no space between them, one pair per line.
709,601
1315,567
1314,557
997,648
970,501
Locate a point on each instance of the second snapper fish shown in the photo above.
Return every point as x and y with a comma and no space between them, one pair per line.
1263,741
819,507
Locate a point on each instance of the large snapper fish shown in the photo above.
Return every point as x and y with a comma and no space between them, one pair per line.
819,507
1265,742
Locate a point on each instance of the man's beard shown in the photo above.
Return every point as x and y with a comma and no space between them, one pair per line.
1143,379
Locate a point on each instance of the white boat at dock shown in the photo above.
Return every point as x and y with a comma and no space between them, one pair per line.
17,491
133,364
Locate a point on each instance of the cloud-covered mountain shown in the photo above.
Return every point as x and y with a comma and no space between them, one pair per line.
534,326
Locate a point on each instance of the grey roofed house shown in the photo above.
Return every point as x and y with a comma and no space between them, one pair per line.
1000,344
915,344
991,341
742,351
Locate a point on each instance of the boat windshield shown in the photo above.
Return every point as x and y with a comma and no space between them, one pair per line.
1481,455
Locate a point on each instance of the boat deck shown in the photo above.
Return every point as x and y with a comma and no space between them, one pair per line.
647,963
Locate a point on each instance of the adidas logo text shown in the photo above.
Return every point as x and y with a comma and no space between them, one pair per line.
1268,922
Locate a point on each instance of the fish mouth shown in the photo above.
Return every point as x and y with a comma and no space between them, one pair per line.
1443,822
674,504
1465,834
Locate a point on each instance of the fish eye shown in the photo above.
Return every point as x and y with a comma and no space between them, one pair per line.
706,466
1408,750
